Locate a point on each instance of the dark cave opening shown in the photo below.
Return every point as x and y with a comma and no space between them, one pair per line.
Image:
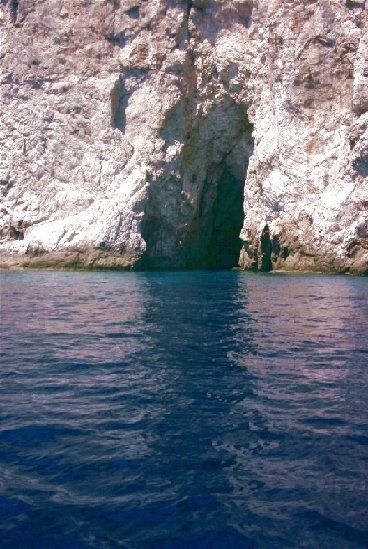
213,240
208,236
194,215
227,221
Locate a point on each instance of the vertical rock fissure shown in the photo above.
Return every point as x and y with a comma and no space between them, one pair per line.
119,100
13,8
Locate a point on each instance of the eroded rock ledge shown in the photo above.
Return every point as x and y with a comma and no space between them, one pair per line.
151,134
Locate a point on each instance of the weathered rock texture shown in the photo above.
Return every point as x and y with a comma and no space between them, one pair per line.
150,133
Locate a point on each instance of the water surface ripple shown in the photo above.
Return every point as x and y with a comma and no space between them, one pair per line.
201,410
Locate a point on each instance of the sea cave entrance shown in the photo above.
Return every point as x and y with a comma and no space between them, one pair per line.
195,208
213,240
196,234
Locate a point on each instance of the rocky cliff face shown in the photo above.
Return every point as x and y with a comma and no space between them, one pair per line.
151,133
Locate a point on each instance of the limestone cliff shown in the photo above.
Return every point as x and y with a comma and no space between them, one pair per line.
151,133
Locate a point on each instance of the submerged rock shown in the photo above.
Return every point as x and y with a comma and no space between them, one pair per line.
139,134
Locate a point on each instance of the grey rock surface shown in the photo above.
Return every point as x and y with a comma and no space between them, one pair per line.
151,133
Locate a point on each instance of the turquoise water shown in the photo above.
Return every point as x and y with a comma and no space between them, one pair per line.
192,410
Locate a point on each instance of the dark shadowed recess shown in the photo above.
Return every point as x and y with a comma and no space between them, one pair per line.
353,4
13,8
213,240
124,86
208,236
119,101
201,229
361,164
194,213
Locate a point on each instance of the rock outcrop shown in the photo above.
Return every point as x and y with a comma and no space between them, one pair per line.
152,133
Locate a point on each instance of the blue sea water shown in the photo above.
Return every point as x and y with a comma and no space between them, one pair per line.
190,410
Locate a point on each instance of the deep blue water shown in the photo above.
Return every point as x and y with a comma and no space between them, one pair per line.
200,410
